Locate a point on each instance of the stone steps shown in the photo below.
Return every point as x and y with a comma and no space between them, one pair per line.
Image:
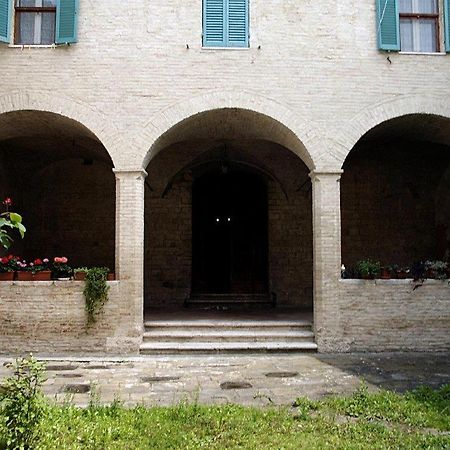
227,336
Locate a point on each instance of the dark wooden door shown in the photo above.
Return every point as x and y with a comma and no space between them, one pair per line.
229,234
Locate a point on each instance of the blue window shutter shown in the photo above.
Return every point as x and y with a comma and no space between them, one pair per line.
5,20
66,21
237,31
447,24
214,23
388,29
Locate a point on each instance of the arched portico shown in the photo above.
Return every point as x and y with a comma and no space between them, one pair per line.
58,172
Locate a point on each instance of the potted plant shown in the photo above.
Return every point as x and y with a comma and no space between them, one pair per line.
41,269
7,268
79,274
385,273
9,220
61,270
402,273
368,269
393,270
24,271
436,270
418,271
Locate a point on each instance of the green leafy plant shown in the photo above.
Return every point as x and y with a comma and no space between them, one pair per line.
368,268
95,292
81,270
10,220
60,267
22,404
436,269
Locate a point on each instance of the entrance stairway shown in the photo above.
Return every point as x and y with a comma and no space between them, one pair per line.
221,335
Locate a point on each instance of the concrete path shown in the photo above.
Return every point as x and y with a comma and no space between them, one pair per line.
246,379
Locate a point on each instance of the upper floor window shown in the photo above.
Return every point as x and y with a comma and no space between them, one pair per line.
419,26
38,22
413,25
34,22
225,23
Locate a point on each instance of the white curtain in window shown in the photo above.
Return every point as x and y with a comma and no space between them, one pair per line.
418,6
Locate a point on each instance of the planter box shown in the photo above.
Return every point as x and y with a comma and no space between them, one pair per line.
44,275
6,276
24,276
79,276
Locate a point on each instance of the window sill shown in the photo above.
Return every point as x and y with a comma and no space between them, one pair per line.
423,53
24,46
226,48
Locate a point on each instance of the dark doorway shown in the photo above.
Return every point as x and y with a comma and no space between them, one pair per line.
229,234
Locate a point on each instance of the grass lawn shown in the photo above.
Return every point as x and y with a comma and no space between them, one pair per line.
417,420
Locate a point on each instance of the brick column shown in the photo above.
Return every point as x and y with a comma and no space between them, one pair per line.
327,256
130,243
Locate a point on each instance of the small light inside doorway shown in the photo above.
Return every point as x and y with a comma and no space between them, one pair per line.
229,219
217,219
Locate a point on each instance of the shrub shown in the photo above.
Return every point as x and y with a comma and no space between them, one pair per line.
22,403
368,268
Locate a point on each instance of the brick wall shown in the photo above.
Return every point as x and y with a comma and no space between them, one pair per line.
389,315
49,318
394,203
169,224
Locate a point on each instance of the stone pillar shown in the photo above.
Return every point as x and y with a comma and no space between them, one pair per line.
326,257
130,247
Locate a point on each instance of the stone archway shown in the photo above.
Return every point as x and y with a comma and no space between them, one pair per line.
230,137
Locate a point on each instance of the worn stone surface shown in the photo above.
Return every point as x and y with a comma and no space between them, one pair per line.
203,378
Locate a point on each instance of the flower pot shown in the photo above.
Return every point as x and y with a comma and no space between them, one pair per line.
111,276
43,275
385,274
24,276
6,276
430,273
402,274
368,277
79,276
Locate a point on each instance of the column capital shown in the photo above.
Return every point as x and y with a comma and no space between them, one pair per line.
119,173
317,174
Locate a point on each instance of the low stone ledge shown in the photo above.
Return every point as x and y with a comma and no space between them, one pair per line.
388,315
49,317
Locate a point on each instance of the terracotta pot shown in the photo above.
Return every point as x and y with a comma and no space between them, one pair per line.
385,274
44,275
430,274
24,276
111,276
401,274
6,276
368,277
79,276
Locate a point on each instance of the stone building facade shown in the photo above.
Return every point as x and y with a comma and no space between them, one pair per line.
103,138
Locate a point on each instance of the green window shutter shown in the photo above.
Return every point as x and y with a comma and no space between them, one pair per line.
214,23
447,24
237,23
5,20
388,29
66,21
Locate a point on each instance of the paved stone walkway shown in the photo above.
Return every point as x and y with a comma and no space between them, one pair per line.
246,379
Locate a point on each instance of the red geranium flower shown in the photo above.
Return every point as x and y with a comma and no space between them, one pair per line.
7,201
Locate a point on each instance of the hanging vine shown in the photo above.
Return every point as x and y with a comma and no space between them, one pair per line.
95,292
